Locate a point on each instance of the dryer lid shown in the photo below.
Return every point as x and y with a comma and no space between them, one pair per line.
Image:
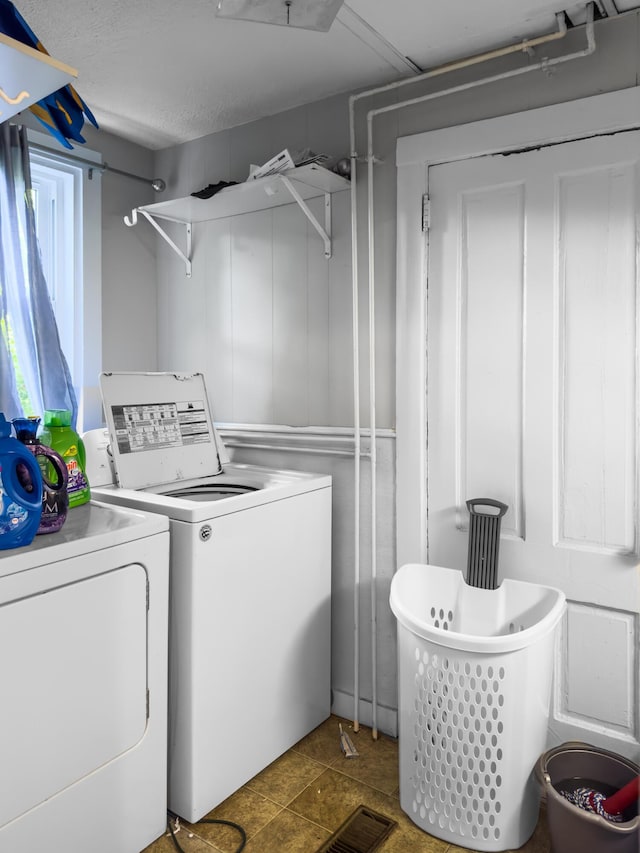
161,428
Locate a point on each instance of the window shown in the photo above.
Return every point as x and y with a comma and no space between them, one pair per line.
59,235
68,221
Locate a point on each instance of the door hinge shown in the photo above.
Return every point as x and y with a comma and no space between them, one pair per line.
426,212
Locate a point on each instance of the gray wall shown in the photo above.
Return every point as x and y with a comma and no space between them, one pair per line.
323,127
129,310
131,313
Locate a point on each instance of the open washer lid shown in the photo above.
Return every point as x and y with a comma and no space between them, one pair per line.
160,427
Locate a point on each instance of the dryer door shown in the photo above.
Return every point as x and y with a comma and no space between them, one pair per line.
74,674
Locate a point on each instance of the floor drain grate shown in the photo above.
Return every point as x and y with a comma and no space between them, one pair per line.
362,832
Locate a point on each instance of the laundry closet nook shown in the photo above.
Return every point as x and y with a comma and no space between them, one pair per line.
354,272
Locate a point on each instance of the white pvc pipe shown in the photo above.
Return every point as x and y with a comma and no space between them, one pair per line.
372,426
504,75
523,46
526,46
356,422
544,63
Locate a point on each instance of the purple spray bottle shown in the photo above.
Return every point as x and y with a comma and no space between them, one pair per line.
55,500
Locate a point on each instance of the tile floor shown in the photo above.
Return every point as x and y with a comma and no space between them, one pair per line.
297,802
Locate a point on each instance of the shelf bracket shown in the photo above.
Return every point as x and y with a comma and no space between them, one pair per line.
325,233
186,258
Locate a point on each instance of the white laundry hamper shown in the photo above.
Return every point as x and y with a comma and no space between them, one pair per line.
475,670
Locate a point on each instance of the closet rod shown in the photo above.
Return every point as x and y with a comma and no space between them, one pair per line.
157,183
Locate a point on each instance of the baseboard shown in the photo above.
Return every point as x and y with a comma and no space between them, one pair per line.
387,717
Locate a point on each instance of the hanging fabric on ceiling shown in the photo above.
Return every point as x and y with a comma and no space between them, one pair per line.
34,374
63,112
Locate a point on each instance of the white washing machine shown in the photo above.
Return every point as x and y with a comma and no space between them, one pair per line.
250,583
83,714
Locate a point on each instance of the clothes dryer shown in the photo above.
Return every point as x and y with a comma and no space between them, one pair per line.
83,716
250,583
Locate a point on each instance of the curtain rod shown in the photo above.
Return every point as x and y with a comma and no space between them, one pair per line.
157,183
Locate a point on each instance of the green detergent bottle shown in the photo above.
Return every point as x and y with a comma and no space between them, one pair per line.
58,434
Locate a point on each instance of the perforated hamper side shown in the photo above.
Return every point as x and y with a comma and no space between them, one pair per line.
472,726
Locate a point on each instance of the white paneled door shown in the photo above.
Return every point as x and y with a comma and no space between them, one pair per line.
532,378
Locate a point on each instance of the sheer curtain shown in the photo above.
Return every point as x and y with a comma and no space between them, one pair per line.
34,374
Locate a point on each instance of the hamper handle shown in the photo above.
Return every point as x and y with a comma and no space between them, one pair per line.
474,502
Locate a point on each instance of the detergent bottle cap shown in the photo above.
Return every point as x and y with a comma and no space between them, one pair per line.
57,417
5,426
26,429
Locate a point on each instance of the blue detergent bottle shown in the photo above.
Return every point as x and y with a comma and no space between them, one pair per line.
20,491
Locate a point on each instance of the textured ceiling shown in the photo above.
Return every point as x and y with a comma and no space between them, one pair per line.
161,72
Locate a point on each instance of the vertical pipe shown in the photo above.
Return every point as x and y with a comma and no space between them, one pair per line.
372,422
545,63
356,418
